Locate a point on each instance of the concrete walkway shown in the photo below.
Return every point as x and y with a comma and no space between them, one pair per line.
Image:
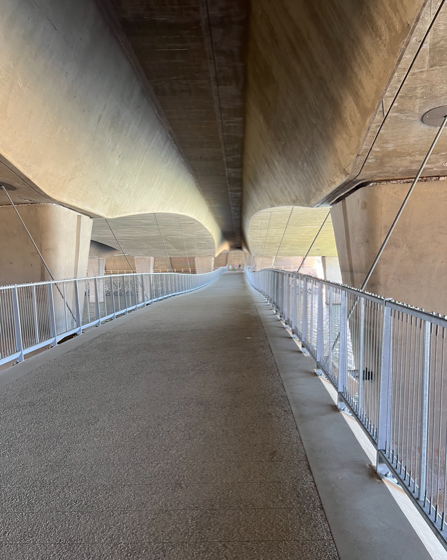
164,435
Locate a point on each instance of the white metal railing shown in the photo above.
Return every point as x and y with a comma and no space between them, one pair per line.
34,316
387,362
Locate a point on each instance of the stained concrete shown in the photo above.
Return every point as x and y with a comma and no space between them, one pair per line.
166,435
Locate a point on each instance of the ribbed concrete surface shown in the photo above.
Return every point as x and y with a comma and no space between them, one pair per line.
167,437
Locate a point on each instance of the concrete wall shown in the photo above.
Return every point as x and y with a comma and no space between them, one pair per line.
413,267
76,121
204,264
62,236
316,72
236,258
331,269
144,264
120,263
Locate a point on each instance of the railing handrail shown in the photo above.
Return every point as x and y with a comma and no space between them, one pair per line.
432,316
107,276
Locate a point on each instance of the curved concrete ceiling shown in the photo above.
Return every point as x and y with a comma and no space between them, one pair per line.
77,122
398,140
288,231
154,121
316,73
155,235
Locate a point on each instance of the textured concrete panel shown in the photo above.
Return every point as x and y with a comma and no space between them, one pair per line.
288,231
316,73
158,235
413,267
61,235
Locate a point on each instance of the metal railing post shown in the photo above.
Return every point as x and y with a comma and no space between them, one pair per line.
135,291
304,313
331,316
78,308
361,306
385,388
36,320
151,289
124,293
343,350
97,310
53,328
112,297
17,325
425,410
294,280
320,329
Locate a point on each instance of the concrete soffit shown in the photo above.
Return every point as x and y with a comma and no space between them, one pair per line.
394,144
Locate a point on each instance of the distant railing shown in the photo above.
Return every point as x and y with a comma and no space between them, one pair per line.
387,362
34,316
163,271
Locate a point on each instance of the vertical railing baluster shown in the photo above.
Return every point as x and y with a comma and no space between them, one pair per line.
64,297
320,330
112,297
36,320
425,408
53,327
78,308
17,324
331,317
385,388
97,310
361,352
343,350
294,310
304,314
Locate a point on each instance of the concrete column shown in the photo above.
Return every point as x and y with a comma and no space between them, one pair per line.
144,264
204,264
331,269
413,267
96,267
62,236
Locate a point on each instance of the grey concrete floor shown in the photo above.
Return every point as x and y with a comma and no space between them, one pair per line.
168,436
